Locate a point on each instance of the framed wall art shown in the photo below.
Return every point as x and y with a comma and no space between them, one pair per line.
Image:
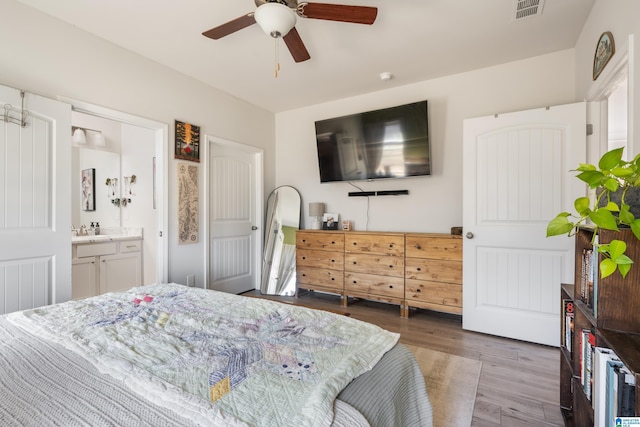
187,141
88,186
604,51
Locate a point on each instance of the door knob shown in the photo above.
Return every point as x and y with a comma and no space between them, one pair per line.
469,235
254,228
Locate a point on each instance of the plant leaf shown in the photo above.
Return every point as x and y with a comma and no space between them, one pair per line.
607,267
582,205
611,184
624,269
612,207
611,159
593,178
622,172
616,249
603,218
559,225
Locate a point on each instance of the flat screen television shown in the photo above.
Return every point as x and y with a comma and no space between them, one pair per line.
388,143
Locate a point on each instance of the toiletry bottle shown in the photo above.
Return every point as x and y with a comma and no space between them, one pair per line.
97,228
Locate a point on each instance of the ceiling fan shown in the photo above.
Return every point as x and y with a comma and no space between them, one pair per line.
278,18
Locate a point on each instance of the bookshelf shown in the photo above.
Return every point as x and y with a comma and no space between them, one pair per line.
604,317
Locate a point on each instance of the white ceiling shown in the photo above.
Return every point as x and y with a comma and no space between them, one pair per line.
415,40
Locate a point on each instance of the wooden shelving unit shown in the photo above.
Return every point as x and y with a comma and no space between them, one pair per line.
613,316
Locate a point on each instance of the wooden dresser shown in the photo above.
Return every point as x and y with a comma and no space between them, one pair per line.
374,266
433,272
320,261
422,270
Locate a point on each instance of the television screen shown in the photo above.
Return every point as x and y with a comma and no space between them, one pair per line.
388,143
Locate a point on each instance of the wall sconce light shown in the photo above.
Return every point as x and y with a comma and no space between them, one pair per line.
79,136
316,211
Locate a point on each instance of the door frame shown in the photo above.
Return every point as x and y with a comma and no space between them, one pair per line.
258,154
162,168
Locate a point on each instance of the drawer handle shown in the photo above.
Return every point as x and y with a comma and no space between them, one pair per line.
419,269
304,241
333,243
391,245
304,257
391,266
354,282
304,275
418,247
333,278
131,246
355,262
417,290
390,286
355,243
333,260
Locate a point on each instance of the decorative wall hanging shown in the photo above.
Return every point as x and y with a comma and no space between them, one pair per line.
88,189
604,51
188,207
187,142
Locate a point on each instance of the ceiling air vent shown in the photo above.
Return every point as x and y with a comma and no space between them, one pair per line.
527,8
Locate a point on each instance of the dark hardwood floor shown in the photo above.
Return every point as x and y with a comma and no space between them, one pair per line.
519,381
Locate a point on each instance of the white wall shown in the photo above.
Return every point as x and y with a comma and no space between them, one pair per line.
42,55
434,203
622,18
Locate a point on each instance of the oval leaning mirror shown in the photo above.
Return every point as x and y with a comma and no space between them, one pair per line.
279,255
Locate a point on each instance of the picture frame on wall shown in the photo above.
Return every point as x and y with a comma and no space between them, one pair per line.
330,221
187,145
604,51
88,186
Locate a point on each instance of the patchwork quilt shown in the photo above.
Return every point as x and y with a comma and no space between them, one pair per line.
214,357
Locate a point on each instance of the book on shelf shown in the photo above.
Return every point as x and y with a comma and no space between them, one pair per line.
568,314
601,357
611,408
589,278
587,349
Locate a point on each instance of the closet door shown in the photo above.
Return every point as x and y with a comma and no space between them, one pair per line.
35,202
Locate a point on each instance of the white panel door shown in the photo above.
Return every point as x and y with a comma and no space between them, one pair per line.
35,203
517,177
236,244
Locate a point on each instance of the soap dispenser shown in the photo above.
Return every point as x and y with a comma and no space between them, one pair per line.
97,228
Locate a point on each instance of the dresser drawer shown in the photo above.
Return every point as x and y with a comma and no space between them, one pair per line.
374,264
96,249
434,247
324,241
375,285
433,292
130,246
320,259
322,277
436,270
384,244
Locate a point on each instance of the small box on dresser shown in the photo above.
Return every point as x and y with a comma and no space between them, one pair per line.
433,272
320,261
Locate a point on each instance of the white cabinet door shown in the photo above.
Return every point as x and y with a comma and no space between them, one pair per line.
84,278
120,272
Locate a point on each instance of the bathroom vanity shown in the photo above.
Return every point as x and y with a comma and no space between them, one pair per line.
105,263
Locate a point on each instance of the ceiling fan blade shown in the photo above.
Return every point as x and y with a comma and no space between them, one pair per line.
338,12
230,27
295,45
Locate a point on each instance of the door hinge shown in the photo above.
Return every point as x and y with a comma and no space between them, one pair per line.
589,129
160,233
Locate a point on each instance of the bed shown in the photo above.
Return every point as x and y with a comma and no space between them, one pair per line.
169,355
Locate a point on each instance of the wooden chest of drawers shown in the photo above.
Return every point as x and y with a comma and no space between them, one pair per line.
433,272
374,266
419,270
320,261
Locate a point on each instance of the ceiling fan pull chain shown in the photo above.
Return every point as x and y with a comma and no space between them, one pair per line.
277,58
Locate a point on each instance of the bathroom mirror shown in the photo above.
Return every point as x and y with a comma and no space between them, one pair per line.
106,165
279,255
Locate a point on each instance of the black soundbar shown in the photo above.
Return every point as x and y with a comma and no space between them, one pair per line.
378,193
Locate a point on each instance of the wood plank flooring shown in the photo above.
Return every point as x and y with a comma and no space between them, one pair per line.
519,381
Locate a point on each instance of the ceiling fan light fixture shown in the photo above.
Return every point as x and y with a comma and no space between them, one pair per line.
275,19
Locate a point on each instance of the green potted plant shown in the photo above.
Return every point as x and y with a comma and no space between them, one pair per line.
612,175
